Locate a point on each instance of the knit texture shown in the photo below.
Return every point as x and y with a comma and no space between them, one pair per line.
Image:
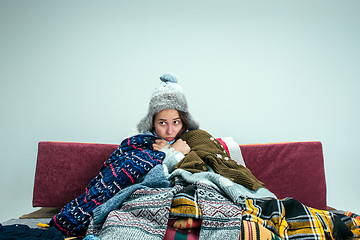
127,165
236,192
221,217
144,215
168,95
155,179
206,150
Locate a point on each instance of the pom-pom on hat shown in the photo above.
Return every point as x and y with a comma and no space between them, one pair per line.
168,95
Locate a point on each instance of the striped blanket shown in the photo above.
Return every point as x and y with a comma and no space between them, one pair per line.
184,204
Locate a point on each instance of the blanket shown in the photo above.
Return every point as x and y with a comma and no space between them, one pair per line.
126,166
155,178
208,151
236,192
146,213
249,231
24,232
184,204
290,219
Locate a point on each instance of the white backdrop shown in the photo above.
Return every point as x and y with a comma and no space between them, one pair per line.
259,71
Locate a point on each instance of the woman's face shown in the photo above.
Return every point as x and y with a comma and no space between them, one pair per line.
168,124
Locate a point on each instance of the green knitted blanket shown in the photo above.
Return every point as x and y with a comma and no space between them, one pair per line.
206,150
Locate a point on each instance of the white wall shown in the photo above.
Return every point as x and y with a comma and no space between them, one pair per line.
260,71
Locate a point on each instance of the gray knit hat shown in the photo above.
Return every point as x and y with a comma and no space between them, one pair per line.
168,95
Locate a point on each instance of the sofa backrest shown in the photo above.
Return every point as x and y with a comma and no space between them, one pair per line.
296,170
293,169
64,169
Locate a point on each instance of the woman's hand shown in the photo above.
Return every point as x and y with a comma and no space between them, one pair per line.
159,144
181,146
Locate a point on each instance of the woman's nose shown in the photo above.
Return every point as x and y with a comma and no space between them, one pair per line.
169,130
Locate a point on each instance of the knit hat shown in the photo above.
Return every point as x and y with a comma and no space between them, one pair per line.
168,95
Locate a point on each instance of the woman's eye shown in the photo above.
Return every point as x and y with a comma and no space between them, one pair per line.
176,122
162,123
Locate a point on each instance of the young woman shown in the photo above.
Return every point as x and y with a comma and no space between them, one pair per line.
168,118
173,171
158,142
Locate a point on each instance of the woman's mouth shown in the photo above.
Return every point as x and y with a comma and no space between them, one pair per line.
169,139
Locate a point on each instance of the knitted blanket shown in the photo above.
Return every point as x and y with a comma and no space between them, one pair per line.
155,178
144,215
208,151
236,192
126,166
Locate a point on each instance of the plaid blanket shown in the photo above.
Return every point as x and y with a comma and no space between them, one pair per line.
351,220
290,219
255,231
129,163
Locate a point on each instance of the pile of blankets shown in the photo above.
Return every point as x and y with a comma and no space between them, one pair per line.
191,201
152,213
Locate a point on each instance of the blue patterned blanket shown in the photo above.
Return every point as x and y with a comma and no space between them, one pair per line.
127,165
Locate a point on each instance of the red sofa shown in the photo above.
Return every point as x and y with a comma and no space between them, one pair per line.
294,169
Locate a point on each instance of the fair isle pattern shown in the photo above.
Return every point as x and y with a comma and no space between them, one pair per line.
132,160
222,219
144,215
